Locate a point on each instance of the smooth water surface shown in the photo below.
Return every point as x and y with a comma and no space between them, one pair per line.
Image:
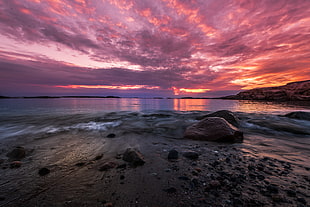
88,105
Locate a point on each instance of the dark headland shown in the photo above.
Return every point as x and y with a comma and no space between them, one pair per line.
295,91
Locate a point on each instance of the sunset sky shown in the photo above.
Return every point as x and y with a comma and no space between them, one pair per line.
148,48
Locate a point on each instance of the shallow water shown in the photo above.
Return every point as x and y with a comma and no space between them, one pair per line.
266,132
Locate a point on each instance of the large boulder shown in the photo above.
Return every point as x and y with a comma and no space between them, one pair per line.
225,114
214,129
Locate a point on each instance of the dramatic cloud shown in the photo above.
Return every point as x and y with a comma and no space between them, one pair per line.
151,48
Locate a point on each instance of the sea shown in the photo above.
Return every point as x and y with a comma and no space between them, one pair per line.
267,132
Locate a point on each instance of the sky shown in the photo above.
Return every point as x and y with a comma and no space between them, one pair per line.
151,48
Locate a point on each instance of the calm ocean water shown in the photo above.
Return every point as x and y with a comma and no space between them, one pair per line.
87,105
266,131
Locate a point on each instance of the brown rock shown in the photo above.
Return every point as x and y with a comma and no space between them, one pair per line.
107,166
134,157
214,129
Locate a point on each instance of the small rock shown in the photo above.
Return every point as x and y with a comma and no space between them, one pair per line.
44,171
214,184
2,198
111,135
191,155
122,166
170,190
108,204
291,193
98,157
80,164
302,200
134,157
272,188
107,166
173,155
15,164
122,177
183,178
17,153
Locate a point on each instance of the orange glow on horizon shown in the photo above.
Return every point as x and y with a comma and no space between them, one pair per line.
121,87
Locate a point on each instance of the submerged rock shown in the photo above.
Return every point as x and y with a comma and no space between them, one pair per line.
299,115
225,114
134,157
214,129
17,154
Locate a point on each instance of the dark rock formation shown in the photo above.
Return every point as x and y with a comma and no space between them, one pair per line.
296,91
299,115
17,154
134,157
225,114
214,129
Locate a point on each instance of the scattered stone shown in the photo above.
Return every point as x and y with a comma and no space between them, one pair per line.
133,156
225,114
17,153
15,164
184,178
291,193
191,155
122,177
2,198
272,188
80,164
302,200
108,204
214,129
278,198
173,155
170,190
122,166
107,166
44,171
98,157
111,135
214,184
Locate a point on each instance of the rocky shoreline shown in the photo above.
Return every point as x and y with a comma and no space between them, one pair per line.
143,169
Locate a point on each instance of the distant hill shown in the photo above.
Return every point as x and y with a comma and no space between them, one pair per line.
295,91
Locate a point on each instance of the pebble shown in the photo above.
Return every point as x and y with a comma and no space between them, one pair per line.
173,155
107,166
17,153
191,155
291,193
170,190
15,164
302,200
44,171
98,157
134,157
111,135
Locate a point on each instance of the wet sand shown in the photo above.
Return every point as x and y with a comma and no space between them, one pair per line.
223,174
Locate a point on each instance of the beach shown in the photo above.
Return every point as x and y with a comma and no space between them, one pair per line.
79,161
